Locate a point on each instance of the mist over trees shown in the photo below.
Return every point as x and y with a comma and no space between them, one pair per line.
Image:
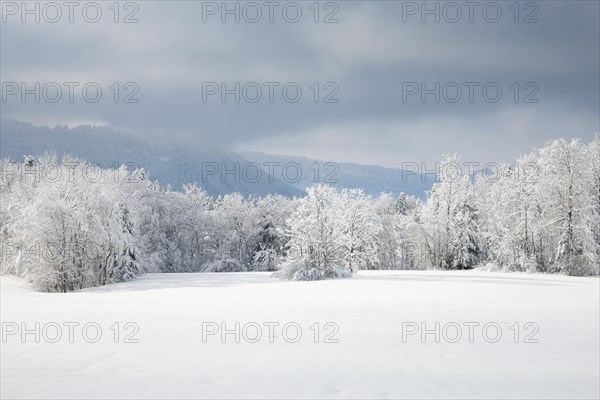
68,224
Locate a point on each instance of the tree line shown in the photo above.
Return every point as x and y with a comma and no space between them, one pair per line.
63,231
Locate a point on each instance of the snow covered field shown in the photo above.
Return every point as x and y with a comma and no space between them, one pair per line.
181,354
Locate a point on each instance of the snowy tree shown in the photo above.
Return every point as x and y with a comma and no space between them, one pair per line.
390,237
314,230
359,228
269,240
565,189
593,154
394,243
444,236
466,248
333,233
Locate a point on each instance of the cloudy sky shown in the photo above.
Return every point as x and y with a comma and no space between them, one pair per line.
372,63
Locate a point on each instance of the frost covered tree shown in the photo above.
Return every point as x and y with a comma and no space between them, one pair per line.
396,247
390,238
466,248
566,187
232,231
331,234
71,224
449,236
194,234
314,232
269,241
593,154
540,214
359,229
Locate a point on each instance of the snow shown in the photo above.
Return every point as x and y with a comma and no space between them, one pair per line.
369,361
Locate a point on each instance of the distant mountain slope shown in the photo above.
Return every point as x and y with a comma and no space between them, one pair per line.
372,179
107,147
218,172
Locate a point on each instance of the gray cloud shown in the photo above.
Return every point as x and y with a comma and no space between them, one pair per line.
368,55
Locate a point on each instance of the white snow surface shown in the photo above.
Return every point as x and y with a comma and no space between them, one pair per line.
370,360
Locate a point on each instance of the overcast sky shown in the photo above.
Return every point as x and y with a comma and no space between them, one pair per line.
369,57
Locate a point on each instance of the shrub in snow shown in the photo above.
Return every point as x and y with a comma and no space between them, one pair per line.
577,265
302,271
312,274
229,265
266,260
288,269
